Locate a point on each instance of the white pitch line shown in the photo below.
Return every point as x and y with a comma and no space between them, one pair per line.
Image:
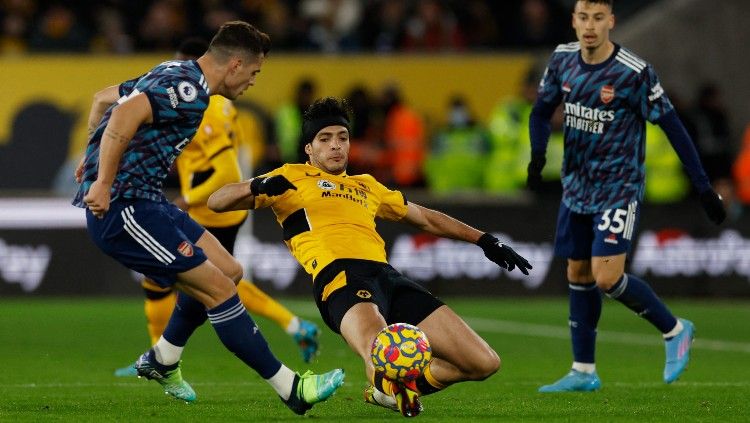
561,332
612,337
680,383
652,384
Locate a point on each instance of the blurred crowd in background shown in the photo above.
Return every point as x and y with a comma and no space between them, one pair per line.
460,153
391,140
125,26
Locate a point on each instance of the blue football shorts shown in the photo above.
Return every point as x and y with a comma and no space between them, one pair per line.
154,238
582,236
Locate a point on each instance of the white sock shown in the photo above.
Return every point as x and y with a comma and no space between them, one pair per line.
584,367
383,399
293,326
675,331
167,353
282,382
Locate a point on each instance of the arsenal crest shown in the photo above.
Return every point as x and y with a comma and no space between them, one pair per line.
185,249
607,93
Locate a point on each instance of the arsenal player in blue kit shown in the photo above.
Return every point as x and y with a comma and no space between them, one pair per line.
608,93
135,138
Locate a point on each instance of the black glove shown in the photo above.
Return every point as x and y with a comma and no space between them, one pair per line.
271,186
502,254
714,207
534,178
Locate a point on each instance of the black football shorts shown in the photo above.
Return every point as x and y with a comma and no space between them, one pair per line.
346,282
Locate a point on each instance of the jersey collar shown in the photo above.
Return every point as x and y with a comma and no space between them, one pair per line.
203,81
601,65
321,171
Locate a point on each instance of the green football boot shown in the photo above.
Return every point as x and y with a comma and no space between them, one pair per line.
310,389
127,371
171,379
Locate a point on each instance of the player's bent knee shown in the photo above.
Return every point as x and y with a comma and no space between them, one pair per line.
207,284
222,290
236,272
491,365
604,285
484,367
233,270
606,281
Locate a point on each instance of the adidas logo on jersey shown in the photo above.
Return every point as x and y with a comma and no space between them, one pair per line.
656,92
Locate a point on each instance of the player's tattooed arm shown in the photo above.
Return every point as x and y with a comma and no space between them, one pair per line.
115,136
123,123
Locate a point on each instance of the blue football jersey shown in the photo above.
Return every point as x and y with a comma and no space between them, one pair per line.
178,93
605,109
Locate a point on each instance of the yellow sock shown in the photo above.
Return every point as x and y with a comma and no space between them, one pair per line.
427,384
158,308
259,303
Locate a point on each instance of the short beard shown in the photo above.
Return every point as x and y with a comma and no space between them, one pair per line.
341,170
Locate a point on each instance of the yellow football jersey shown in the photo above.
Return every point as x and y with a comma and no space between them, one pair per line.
332,217
209,162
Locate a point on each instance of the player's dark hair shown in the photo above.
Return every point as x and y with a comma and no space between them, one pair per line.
606,2
326,111
193,47
239,37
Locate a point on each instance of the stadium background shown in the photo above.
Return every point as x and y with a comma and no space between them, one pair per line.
65,52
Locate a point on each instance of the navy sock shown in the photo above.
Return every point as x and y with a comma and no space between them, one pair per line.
638,296
240,335
187,316
585,305
161,368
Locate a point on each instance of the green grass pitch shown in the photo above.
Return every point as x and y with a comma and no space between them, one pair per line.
58,355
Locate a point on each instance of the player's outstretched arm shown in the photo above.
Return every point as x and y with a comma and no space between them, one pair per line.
502,254
271,186
442,225
241,196
236,196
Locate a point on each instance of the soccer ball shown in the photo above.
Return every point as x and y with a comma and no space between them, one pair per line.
401,352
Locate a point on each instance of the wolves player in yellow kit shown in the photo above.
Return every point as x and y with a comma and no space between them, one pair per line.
206,164
328,221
